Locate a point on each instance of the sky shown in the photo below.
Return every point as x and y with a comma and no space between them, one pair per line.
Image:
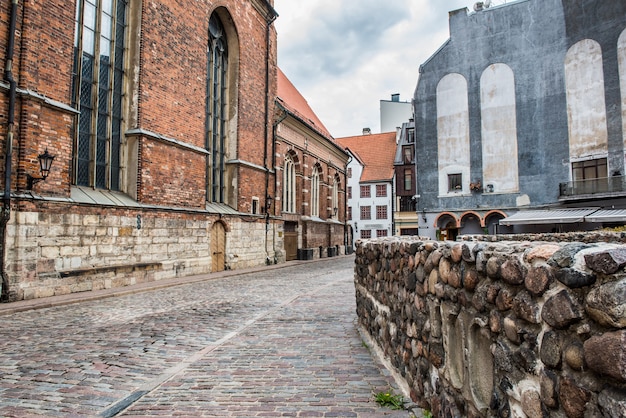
344,56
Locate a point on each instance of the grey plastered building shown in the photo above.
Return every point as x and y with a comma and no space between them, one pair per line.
519,120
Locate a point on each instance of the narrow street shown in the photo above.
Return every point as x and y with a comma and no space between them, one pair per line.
278,341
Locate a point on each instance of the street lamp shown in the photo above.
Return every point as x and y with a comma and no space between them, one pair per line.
45,163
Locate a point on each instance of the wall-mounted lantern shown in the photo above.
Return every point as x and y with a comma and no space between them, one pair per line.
45,163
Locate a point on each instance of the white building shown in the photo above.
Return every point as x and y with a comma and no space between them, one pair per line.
393,113
370,184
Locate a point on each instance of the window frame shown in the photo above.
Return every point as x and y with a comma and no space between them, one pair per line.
366,213
583,167
365,191
217,109
289,185
98,93
382,212
408,179
315,191
455,182
381,190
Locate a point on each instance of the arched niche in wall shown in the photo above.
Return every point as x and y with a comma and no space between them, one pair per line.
586,108
499,128
480,369
454,344
471,224
621,59
453,138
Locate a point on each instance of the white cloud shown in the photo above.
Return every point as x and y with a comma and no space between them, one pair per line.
345,56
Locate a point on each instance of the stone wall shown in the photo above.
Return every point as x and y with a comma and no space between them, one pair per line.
520,329
58,253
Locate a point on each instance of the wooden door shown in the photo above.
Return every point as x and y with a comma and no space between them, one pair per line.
218,247
291,241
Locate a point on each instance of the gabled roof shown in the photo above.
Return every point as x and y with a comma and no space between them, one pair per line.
294,103
376,151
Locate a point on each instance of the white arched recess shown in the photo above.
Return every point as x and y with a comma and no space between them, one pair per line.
499,129
453,139
586,109
621,59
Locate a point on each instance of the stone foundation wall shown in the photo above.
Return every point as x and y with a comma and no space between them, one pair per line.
55,253
506,329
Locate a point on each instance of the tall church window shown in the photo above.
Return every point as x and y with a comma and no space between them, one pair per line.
97,91
315,192
335,198
216,108
289,186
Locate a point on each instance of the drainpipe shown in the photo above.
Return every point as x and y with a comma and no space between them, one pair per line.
8,154
272,17
346,224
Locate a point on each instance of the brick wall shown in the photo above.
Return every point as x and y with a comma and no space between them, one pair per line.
57,244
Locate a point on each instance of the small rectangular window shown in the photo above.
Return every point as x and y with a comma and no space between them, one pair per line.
410,135
349,172
255,205
455,182
381,212
408,179
349,192
407,154
381,190
365,191
381,233
349,213
366,212
590,169
366,234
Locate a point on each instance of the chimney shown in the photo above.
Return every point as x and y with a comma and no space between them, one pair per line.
395,97
367,131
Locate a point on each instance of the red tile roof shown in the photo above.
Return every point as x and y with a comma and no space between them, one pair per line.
291,99
376,151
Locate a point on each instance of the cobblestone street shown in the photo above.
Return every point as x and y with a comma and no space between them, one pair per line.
278,341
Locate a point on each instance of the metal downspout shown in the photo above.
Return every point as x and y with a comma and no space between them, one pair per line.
271,20
8,154
346,224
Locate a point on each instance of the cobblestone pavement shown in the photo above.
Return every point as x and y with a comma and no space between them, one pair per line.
278,341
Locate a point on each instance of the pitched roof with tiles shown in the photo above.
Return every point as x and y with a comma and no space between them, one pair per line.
376,151
293,102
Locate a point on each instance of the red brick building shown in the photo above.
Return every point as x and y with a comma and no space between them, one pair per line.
159,116
310,179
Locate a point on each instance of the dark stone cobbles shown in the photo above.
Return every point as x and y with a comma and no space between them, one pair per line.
272,342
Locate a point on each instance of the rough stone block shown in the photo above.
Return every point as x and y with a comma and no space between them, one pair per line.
513,272
538,279
612,402
561,310
606,304
605,354
607,262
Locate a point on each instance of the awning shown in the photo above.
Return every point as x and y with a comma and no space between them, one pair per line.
555,216
607,215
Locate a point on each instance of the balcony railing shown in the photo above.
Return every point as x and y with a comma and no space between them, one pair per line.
606,185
